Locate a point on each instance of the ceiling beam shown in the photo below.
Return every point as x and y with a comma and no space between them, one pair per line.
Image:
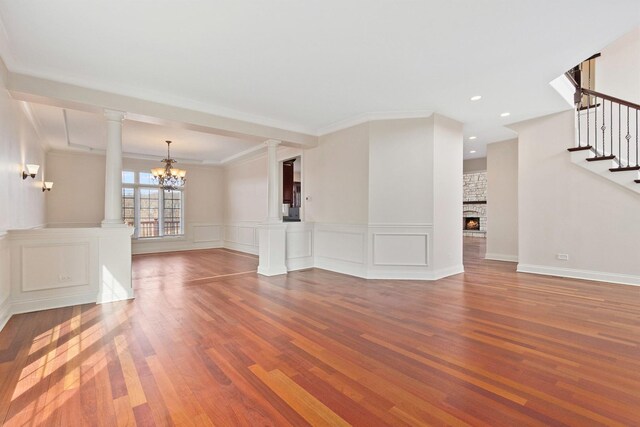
63,95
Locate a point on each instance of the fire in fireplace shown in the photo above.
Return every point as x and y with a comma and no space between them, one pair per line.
472,223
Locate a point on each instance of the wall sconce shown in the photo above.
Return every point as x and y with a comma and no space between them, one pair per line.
47,186
32,171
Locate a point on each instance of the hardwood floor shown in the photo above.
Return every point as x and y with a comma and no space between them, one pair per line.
206,342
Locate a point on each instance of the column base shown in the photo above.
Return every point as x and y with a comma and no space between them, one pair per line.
272,249
114,263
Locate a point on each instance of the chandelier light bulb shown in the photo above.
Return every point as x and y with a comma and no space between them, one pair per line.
169,177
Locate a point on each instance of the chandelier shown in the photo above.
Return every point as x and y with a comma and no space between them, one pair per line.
169,177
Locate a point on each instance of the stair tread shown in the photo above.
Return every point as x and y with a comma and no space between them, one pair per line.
637,181
626,168
594,159
586,147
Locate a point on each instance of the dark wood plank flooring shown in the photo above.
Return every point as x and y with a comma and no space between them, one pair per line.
209,342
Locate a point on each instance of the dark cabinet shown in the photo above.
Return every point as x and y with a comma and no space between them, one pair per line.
287,182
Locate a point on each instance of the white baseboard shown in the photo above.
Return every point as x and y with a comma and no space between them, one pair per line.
415,274
5,313
27,306
294,264
446,272
343,267
161,247
241,247
271,272
501,257
623,279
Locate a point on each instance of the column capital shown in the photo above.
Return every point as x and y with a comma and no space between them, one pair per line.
272,142
114,115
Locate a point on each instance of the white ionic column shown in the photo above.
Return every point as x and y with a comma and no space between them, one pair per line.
273,212
113,175
272,244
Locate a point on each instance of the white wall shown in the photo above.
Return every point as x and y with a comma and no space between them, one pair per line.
245,191
77,199
245,203
245,198
502,200
475,165
400,171
23,203
447,196
203,209
618,68
373,191
564,209
390,198
336,177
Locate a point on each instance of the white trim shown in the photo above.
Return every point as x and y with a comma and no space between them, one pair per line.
372,116
23,262
424,263
242,154
599,276
28,306
158,247
501,257
271,272
241,247
342,267
394,225
294,264
77,150
448,271
5,313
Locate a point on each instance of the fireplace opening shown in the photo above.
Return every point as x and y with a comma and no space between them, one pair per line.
472,223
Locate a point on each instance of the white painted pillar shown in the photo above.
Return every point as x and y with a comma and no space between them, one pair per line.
272,243
273,212
113,175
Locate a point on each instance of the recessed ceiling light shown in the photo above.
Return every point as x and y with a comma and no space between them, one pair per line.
472,151
472,137
506,114
476,98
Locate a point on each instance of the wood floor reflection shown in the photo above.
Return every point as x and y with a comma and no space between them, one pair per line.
209,342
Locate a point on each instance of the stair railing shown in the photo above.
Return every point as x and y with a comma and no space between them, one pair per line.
606,125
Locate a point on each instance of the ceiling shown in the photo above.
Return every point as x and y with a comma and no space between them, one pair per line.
77,130
306,66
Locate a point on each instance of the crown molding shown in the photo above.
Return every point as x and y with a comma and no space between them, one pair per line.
370,117
80,150
35,123
244,155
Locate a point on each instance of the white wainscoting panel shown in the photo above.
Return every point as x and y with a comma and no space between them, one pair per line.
197,236
53,266
59,267
242,236
401,249
341,248
206,233
299,244
5,281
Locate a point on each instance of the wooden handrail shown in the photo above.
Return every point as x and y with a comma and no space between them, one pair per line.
610,98
571,79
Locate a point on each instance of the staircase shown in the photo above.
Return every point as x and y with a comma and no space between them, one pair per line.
607,137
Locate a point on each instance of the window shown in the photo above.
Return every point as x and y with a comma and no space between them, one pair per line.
129,206
153,212
172,212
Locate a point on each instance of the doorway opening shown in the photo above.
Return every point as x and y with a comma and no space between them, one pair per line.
292,190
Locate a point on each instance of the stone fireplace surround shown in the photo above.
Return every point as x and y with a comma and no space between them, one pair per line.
475,190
